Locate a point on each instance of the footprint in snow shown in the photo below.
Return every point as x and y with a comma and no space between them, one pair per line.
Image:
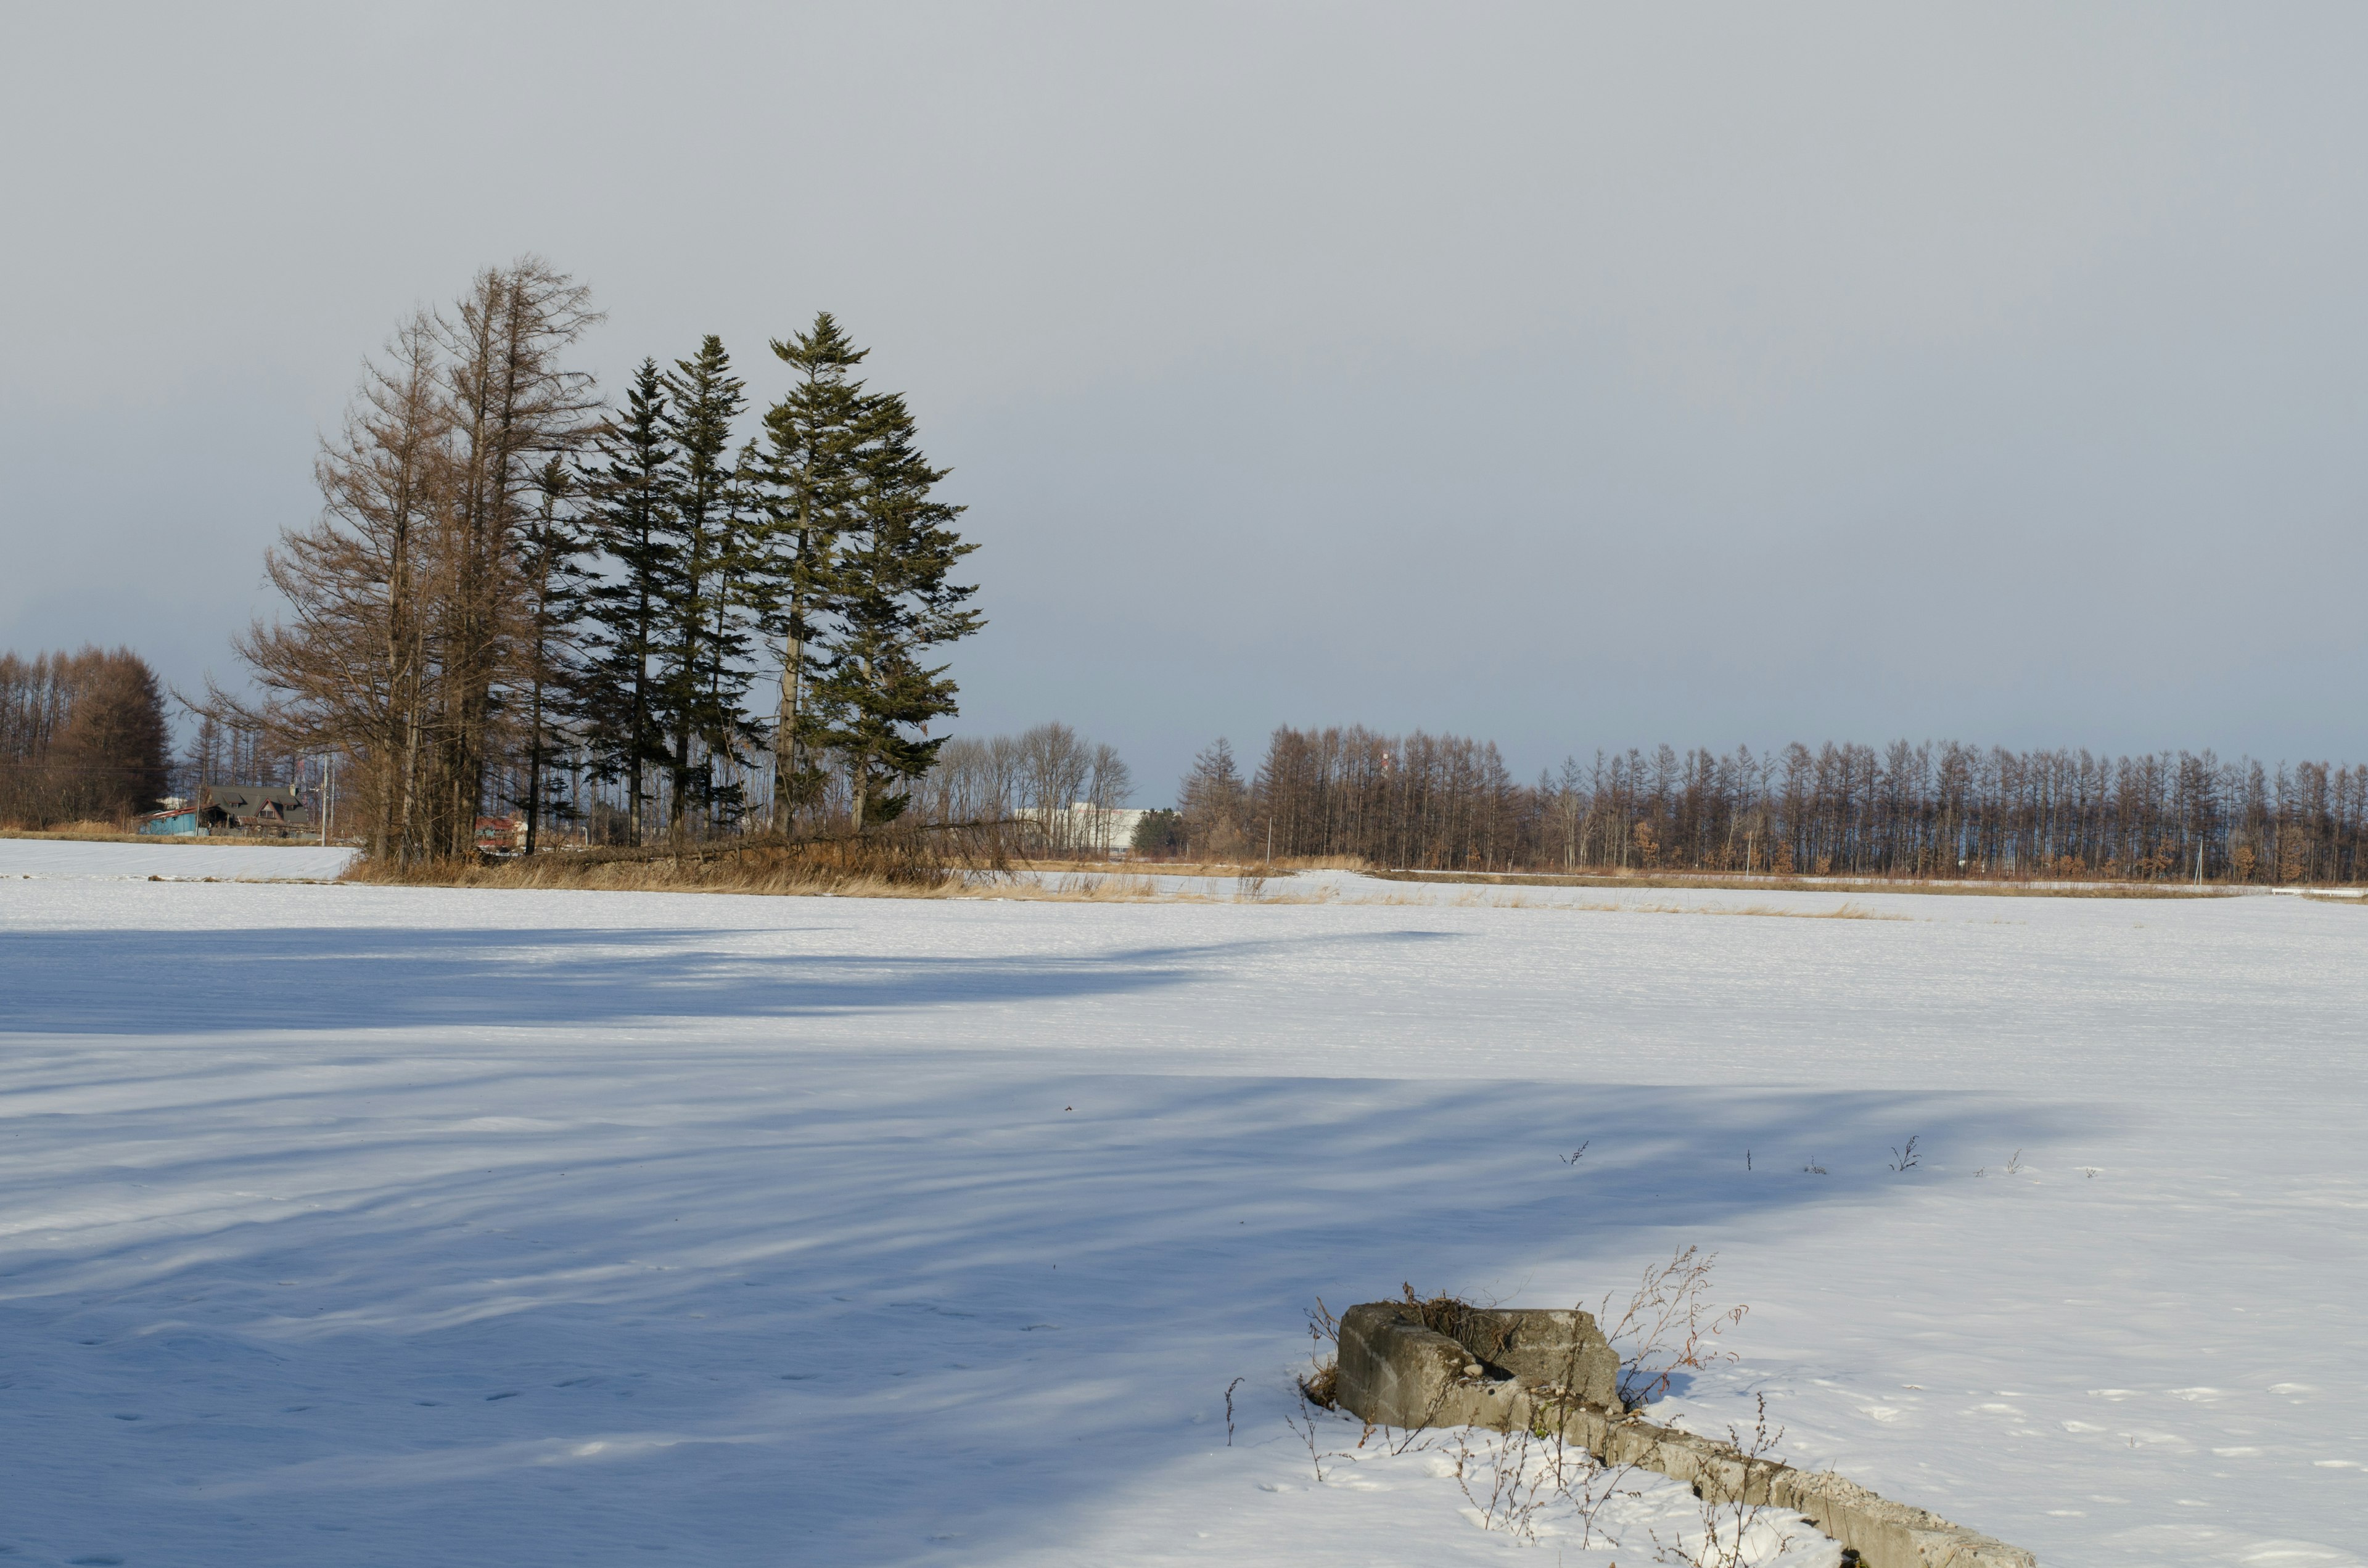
506,1393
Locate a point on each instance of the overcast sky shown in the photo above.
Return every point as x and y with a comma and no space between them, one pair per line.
1570,377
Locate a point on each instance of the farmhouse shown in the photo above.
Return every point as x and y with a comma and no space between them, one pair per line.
264,811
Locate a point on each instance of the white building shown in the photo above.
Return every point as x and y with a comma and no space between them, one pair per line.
1082,829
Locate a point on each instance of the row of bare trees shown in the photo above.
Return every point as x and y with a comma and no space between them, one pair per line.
1055,785
1943,810
82,736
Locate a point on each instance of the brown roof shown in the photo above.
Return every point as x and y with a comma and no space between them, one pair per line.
246,801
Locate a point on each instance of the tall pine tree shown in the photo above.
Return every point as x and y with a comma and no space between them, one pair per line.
890,581
631,522
705,619
807,473
552,546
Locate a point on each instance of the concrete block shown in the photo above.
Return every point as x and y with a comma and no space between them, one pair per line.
1394,1371
1507,1366
1397,1373
1546,1349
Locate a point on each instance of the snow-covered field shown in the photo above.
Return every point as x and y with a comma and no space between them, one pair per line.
188,860
368,1225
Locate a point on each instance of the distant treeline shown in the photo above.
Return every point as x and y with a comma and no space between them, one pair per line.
1944,810
82,737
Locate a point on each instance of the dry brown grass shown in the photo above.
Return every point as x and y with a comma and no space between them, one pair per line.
872,869
1320,863
94,831
569,871
832,870
1678,882
115,833
1277,867
1070,889
1136,868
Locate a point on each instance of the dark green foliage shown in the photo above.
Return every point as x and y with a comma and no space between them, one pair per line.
1159,832
704,627
630,521
825,537
896,605
552,544
806,476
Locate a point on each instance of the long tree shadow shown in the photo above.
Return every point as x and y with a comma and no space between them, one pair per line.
272,978
1035,1278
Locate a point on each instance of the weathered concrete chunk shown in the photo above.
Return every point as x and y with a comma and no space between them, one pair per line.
1545,1349
1395,1372
1398,1370
1392,1362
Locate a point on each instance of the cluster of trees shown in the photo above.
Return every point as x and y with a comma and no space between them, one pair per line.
517,595
1925,811
1038,779
82,736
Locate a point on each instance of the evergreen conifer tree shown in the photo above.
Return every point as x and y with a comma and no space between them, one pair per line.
806,471
551,545
631,522
895,604
704,610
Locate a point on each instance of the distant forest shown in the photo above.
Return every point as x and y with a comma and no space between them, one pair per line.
1927,811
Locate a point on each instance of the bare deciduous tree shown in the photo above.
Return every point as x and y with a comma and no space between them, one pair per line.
410,617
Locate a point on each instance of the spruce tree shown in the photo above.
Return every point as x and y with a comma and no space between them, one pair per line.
630,521
807,472
894,604
551,545
704,610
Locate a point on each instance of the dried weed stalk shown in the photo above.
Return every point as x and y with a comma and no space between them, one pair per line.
1518,1481
1321,1384
1667,1324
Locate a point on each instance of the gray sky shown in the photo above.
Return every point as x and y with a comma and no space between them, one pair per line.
1566,376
